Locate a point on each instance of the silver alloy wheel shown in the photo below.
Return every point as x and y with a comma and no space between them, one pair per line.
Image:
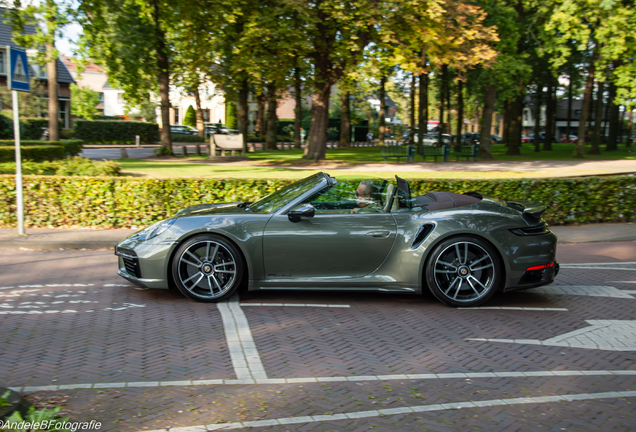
464,272
207,269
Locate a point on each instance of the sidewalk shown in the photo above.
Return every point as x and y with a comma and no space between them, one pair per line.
55,239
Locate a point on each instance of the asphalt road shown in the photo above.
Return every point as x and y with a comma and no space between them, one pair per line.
555,358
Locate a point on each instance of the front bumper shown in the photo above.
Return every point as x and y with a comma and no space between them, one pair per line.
132,269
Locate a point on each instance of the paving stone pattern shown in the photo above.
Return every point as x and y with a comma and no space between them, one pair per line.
113,332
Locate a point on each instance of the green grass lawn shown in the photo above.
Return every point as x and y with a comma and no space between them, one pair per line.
288,164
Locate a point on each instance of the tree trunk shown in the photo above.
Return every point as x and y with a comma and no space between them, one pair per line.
163,63
198,115
298,112
447,80
272,120
242,112
382,116
598,112
316,147
260,116
412,111
614,113
630,122
486,122
345,121
537,118
568,129
460,111
422,114
585,108
506,123
442,92
516,110
54,103
550,116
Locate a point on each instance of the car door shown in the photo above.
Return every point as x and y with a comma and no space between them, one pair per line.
335,243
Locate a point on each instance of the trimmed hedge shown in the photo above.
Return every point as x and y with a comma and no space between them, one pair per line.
116,131
71,147
39,153
126,201
178,138
30,128
74,166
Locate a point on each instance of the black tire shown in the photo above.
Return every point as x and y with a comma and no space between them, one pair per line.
207,268
463,271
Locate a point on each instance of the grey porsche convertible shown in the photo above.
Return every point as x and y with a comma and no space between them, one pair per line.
322,234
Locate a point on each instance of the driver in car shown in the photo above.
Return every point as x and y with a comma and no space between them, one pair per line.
367,198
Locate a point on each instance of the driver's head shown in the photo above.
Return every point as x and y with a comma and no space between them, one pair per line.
366,193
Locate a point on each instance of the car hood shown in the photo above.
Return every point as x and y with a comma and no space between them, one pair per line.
211,209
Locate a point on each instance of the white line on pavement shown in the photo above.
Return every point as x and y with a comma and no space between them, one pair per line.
582,290
515,308
245,358
406,410
353,378
296,304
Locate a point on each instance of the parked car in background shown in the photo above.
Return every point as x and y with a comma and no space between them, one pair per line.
183,130
218,128
525,139
470,138
541,137
571,138
495,139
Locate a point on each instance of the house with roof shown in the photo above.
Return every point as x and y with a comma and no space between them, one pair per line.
64,78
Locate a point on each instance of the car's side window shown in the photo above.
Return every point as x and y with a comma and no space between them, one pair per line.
350,197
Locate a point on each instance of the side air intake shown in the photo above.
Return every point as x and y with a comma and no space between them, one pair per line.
421,235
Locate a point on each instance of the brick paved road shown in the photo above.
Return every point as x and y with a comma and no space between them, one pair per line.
67,319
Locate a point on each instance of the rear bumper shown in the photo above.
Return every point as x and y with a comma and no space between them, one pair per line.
536,278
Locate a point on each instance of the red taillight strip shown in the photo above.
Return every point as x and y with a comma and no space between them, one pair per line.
540,267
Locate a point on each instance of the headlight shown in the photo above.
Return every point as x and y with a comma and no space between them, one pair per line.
156,229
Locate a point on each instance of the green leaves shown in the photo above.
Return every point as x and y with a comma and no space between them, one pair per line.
83,102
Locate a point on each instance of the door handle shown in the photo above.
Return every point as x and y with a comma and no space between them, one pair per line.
379,234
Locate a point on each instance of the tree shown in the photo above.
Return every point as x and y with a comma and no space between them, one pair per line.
83,102
46,19
31,104
190,117
129,39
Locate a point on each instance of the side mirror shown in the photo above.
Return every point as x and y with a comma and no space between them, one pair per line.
302,211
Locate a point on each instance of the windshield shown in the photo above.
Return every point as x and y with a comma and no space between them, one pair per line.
278,199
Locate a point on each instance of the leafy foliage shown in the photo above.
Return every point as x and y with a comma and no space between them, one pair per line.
83,102
123,202
75,166
230,115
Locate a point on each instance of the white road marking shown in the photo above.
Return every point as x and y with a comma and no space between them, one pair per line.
245,358
592,291
627,282
351,378
602,266
405,410
296,304
608,335
515,308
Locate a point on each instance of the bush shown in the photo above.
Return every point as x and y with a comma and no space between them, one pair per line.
123,202
67,134
190,117
71,147
37,153
230,116
102,131
30,128
105,117
75,166
176,138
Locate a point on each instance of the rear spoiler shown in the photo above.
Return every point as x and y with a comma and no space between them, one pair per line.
532,208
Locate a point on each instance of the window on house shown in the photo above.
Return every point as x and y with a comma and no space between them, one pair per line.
101,97
3,69
120,99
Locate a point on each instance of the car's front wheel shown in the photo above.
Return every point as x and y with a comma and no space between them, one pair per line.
463,271
207,268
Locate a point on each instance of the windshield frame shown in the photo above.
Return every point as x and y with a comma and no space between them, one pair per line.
313,183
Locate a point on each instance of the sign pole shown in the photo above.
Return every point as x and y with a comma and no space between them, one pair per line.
18,164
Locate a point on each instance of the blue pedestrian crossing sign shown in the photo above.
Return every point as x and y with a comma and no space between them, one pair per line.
19,70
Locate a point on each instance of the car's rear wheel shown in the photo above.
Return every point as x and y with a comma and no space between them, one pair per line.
207,268
463,271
